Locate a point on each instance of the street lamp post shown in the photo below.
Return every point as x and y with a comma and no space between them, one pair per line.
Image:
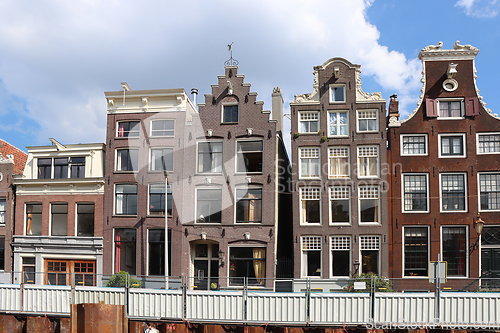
166,229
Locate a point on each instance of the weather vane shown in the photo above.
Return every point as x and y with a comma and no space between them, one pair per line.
231,61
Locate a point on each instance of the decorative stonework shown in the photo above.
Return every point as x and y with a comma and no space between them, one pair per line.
457,46
433,47
362,96
9,158
312,97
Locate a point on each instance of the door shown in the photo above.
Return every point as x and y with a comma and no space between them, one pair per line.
206,266
490,256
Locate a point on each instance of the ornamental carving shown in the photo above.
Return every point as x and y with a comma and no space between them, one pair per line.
457,46
433,47
9,158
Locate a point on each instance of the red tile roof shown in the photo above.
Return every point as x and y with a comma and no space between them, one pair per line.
20,156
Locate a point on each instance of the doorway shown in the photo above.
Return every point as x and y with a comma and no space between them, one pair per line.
206,265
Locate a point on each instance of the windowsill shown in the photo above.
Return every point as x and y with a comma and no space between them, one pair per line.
493,153
453,211
309,133
370,223
248,173
159,216
337,102
161,136
310,178
207,223
481,211
415,277
450,118
338,136
340,224
413,154
368,132
452,156
415,212
368,177
125,172
233,123
310,224
159,171
339,177
124,215
127,137
208,174
248,223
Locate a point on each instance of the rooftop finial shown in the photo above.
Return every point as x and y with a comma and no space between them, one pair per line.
231,61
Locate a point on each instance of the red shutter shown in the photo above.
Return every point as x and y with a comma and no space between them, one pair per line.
431,107
471,107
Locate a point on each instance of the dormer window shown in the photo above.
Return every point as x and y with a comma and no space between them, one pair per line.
337,93
230,113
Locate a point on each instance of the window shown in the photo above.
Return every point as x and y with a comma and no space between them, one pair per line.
2,253
59,219
488,143
125,250
338,162
29,270
415,197
209,157
340,204
337,93
128,129
367,121
206,266
249,262
156,240
489,191
3,209
309,163
414,144
370,248
85,219
452,145
209,205
455,250
311,256
84,273
230,114
369,204
157,199
249,158
127,159
162,159
249,205
34,219
162,127
77,167
308,122
310,205
57,273
60,168
44,168
367,161
338,123
126,199
453,192
340,247
450,108
416,247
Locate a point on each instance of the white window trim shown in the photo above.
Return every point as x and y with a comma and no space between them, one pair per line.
236,157
151,136
76,215
403,192
302,223
348,163
50,216
441,193
149,197
477,142
222,112
328,122
318,120
401,153
116,159
359,206
302,275
126,137
376,120
150,159
253,187
197,157
4,199
331,256
330,207
300,163
379,258
114,199
403,251
479,191
462,108
330,93
467,257
464,145
196,204
378,163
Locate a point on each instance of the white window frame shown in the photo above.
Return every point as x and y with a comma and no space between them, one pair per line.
196,205
303,149
238,159
370,148
169,188
308,114
198,160
115,203
343,150
464,145
160,136
127,121
340,243
76,215
374,246
51,217
401,139
222,112
339,193
330,124
317,242
477,142
369,189
332,101
261,204
150,164
3,213
403,251
358,118
479,174
314,191
129,149
464,174
462,108
467,257
403,193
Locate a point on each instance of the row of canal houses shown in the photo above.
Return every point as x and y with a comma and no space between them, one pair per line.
365,190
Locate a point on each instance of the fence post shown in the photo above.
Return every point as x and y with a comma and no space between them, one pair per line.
72,278
245,299
184,297
308,299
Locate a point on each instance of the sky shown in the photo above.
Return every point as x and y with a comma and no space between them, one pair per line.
58,57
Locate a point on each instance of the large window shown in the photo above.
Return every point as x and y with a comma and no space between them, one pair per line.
3,209
59,219
338,123
310,198
453,192
156,241
230,113
340,247
63,167
128,129
208,205
249,205
489,188
369,203
416,247
162,159
415,195
157,199
162,127
370,248
206,266
34,219
125,250
77,167
249,262
367,120
450,108
309,122
488,143
249,158
337,93
126,199
210,157
338,159
367,161
414,144
44,168
311,256
2,253
452,145
455,250
309,163
60,167
57,273
340,204
127,159
85,219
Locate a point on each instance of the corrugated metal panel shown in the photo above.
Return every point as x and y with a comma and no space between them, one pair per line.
214,305
340,308
404,308
155,303
113,296
276,307
10,297
47,299
470,308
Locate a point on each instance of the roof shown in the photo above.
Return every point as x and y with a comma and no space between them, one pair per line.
20,156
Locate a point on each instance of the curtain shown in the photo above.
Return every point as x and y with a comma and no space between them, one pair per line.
29,218
259,266
118,254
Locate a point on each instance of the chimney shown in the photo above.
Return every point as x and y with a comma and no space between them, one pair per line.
194,92
278,108
394,107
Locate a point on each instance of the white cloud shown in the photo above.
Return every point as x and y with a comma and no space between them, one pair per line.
480,8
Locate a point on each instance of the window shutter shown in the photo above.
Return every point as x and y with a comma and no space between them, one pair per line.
471,107
431,107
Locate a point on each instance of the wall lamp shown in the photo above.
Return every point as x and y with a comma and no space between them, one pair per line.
356,267
478,225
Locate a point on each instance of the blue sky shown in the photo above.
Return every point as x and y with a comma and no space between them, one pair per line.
57,57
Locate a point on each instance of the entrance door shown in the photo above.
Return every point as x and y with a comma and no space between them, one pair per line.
490,256
206,266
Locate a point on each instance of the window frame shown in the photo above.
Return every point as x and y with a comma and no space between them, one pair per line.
232,279
330,97
52,213
238,198
465,250
316,192
77,220
134,264
26,204
464,174
47,168
152,131
401,142
303,268
378,200
331,190
403,193
223,105
462,108
452,135
129,149
309,121
358,119
161,245
330,157
337,124
115,201
480,209
403,266
153,164
344,243
169,200
3,210
363,239
478,135
79,167
117,133
240,158
210,142
196,216
309,165
358,157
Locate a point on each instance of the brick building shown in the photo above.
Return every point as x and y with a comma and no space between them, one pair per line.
445,171
340,176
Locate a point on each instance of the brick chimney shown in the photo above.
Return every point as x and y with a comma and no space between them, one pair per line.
394,107
277,111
